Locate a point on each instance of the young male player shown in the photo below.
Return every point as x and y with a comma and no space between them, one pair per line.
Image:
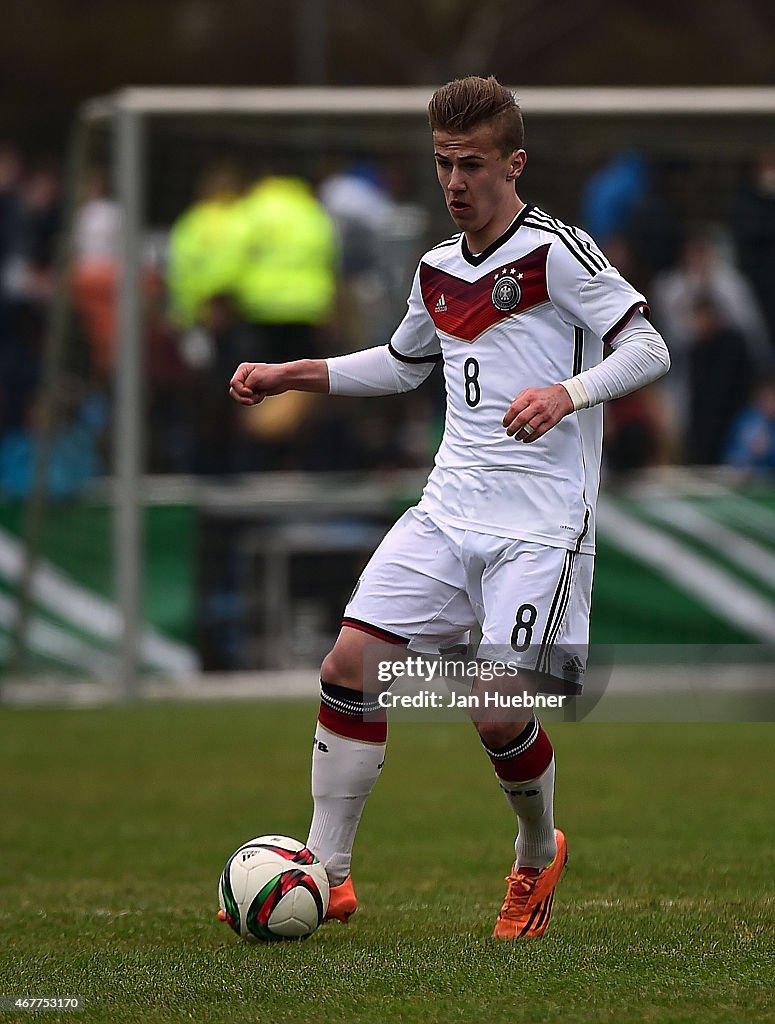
517,306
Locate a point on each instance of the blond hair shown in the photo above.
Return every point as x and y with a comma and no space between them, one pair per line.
467,103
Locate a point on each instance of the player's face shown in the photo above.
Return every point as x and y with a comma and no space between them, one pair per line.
478,182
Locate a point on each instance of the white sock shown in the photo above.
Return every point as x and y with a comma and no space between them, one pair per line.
533,803
343,774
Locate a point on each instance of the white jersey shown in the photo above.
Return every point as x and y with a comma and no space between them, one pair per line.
531,310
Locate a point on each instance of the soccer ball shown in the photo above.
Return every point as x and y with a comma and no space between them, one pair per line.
273,888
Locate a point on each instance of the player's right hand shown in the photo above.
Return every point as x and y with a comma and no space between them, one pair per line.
252,382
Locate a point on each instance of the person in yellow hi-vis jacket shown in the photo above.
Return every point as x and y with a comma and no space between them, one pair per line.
204,248
287,278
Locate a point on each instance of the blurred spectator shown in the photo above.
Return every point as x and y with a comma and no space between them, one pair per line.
95,270
27,286
202,275
204,247
362,210
10,211
610,196
250,276
753,228
705,272
10,180
636,432
287,275
221,445
363,213
628,206
72,460
654,229
284,290
174,389
751,442
720,371
29,269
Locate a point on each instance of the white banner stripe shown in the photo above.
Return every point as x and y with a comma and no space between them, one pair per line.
736,509
57,644
749,555
93,614
710,585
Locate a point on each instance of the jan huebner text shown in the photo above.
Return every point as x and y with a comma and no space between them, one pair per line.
431,699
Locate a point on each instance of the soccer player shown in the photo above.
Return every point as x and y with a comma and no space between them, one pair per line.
517,306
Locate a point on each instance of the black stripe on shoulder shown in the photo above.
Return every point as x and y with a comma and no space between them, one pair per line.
572,249
636,307
585,248
449,241
594,253
435,358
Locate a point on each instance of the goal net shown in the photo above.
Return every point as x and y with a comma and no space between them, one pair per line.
159,533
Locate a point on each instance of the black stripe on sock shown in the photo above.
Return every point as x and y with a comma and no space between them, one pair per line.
347,701
519,744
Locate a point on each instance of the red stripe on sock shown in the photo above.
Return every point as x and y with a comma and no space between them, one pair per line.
528,765
372,730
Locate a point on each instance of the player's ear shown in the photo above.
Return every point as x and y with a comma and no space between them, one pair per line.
517,162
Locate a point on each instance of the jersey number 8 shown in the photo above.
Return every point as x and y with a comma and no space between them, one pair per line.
471,378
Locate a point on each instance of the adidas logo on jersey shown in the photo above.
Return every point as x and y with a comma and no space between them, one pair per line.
441,305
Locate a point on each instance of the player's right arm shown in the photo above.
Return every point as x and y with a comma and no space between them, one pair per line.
253,382
401,365
374,371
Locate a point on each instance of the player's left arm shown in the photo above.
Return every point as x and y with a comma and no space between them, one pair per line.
588,292
639,357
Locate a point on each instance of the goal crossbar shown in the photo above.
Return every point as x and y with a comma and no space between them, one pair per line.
551,102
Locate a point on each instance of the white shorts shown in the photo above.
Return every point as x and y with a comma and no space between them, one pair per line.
428,585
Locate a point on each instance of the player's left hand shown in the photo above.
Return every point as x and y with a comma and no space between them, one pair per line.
536,410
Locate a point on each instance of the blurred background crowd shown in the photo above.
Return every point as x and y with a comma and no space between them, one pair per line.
275,266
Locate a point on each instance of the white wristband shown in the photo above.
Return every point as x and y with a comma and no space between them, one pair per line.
577,392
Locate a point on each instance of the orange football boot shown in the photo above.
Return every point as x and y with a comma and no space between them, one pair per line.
528,905
342,902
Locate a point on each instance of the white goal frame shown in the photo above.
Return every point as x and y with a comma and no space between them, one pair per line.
126,112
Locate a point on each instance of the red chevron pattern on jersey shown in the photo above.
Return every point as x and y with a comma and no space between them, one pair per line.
465,310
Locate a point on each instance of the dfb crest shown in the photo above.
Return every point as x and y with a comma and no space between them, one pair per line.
506,294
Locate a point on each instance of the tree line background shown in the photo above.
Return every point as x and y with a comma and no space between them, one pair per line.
56,53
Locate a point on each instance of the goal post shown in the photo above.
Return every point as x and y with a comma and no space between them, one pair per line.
571,128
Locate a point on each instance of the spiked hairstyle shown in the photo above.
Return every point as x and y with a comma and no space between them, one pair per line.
466,103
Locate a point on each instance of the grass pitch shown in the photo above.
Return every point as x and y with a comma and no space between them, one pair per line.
116,823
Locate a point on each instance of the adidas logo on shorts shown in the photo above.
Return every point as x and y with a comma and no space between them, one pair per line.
573,666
